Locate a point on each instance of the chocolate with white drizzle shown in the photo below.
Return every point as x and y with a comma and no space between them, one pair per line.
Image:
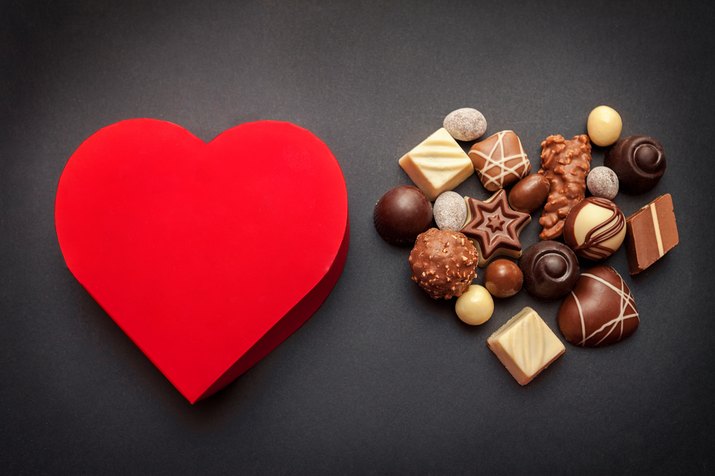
595,228
500,160
600,309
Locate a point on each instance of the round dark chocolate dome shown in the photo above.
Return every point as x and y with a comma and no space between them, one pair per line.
550,269
401,214
639,163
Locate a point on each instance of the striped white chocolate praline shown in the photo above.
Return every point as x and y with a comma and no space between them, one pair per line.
500,160
595,228
600,310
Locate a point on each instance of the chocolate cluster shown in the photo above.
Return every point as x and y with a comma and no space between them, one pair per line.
565,164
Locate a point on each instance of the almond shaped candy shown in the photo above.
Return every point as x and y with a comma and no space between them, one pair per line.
529,193
600,309
500,160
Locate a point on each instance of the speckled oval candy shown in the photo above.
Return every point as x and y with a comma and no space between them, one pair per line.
602,182
450,211
465,124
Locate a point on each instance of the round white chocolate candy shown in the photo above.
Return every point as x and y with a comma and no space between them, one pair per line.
465,124
604,126
602,182
450,211
475,306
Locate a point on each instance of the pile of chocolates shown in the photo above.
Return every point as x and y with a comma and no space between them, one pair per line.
452,236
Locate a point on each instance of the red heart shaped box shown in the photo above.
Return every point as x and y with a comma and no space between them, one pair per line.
207,255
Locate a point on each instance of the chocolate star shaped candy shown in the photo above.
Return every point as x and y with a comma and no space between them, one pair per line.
495,223
494,227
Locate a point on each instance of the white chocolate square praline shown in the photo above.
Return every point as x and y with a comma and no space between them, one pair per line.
525,345
437,164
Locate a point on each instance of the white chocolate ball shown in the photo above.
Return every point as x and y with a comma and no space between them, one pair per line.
475,306
604,126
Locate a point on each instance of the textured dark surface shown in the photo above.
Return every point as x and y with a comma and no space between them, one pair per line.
382,379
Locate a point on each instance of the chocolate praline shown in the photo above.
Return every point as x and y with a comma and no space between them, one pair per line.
443,263
595,228
529,193
503,278
600,310
550,269
401,214
639,162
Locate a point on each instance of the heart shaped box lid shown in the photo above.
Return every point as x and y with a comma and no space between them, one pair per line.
207,255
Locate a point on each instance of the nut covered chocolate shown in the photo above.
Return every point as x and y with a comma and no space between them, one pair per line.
639,162
565,164
443,263
600,309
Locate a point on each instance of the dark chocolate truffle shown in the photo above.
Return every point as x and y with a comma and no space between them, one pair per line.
401,214
639,162
600,309
550,269
443,263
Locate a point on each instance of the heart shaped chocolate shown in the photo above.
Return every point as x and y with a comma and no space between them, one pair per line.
600,309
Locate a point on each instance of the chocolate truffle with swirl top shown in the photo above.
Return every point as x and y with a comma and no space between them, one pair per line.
639,162
550,269
443,263
595,228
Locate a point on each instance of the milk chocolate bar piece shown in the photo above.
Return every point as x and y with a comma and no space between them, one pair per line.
437,164
525,345
650,233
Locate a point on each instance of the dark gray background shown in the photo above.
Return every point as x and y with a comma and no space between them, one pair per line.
382,379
